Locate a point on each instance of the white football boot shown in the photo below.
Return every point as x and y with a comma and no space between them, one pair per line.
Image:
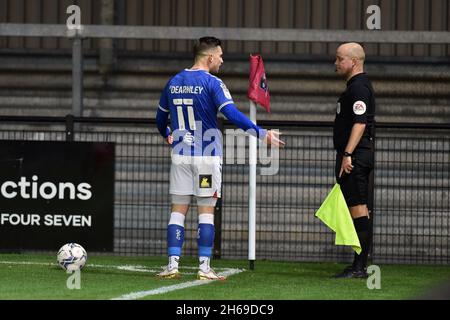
169,273
210,275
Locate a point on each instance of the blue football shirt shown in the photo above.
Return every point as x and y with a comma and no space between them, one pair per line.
193,98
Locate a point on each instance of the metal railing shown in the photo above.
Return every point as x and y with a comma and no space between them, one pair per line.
239,34
411,190
80,32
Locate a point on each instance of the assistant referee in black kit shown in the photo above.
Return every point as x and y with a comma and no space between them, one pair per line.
353,141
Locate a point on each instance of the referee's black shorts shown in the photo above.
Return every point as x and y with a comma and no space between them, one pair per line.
355,185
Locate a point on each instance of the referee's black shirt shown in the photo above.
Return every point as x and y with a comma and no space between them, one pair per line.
355,105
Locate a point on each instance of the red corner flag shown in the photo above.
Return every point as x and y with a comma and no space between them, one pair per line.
258,91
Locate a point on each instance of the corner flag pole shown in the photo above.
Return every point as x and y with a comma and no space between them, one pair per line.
258,92
252,192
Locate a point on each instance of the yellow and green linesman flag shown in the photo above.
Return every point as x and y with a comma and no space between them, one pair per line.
335,214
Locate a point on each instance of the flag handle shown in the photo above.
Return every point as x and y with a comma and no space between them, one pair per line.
252,192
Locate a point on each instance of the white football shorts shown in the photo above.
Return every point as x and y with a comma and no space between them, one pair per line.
198,176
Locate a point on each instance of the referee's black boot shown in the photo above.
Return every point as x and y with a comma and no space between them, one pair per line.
352,273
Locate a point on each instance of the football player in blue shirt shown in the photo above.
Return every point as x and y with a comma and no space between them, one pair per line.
192,100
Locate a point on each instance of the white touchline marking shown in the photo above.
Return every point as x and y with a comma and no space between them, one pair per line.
28,262
146,269
142,294
133,268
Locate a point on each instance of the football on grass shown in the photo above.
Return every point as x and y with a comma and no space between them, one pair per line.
72,257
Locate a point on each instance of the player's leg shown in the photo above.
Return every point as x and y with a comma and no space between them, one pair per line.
205,238
181,189
175,229
208,184
175,235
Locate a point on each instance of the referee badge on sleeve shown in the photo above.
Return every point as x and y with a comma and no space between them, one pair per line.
359,108
205,181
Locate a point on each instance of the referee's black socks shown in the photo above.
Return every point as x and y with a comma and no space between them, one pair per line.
363,229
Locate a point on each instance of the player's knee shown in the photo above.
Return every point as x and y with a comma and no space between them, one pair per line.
180,203
182,200
206,202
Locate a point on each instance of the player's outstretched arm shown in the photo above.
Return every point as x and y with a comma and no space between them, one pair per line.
271,137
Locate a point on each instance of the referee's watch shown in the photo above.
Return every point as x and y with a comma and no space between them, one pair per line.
347,154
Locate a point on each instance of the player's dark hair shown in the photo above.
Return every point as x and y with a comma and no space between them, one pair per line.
204,44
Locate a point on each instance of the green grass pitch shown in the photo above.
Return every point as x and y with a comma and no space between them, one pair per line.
38,277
